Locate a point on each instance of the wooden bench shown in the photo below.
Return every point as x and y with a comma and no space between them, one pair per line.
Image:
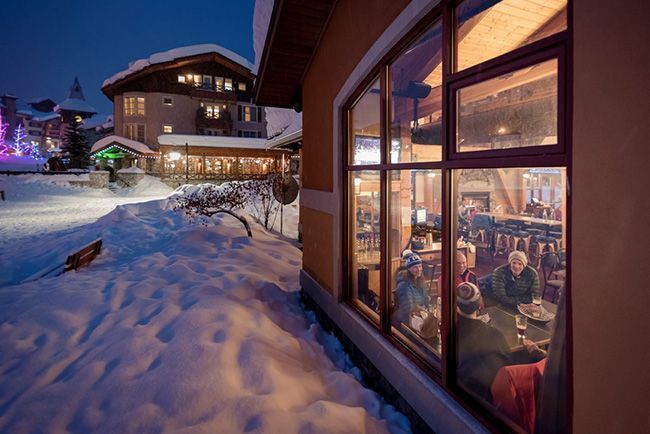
83,256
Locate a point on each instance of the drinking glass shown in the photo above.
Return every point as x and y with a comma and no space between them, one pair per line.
537,300
522,324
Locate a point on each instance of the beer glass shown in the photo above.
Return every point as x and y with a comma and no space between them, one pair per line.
522,324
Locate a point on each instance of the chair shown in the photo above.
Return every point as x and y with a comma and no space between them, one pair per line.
514,392
550,263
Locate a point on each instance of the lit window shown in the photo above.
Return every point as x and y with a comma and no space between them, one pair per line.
218,84
228,84
134,106
181,79
168,129
241,86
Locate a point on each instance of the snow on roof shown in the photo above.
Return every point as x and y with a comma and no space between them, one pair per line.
42,117
96,120
111,140
212,141
75,105
178,53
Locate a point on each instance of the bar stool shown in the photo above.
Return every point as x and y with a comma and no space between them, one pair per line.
542,244
519,237
502,240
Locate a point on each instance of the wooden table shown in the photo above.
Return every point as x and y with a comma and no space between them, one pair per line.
503,319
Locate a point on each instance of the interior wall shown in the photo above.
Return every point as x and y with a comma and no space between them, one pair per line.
611,172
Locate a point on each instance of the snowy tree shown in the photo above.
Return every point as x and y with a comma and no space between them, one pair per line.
76,146
3,131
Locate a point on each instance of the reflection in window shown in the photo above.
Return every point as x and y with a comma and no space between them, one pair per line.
364,120
416,100
415,252
365,239
514,110
487,29
513,221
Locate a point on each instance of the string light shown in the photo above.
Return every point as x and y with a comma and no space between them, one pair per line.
128,151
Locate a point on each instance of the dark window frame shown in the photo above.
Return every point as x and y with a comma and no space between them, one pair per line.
559,155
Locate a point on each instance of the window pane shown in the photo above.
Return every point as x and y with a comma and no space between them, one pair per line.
416,100
514,110
487,29
364,121
365,239
415,253
512,237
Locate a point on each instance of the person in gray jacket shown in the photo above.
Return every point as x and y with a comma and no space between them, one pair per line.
515,282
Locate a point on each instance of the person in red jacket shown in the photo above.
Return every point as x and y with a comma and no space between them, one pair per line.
464,273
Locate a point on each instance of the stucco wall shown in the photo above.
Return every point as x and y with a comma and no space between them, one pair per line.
611,172
318,258
353,28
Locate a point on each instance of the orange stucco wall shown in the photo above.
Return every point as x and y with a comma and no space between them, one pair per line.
318,258
353,28
611,175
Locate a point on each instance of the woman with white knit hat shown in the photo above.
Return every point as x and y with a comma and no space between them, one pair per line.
515,282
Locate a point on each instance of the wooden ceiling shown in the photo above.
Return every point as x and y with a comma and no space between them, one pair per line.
294,32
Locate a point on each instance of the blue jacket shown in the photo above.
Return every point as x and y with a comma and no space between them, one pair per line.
408,296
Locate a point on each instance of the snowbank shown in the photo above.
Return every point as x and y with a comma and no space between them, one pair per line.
173,327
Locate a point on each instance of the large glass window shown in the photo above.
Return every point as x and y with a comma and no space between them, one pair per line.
365,240
456,255
364,120
487,28
415,254
509,321
416,100
513,110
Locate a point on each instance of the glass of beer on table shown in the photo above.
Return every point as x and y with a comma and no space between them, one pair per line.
522,324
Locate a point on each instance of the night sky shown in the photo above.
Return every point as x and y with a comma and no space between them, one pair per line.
44,44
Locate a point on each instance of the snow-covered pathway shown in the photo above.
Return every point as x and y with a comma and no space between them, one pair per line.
173,328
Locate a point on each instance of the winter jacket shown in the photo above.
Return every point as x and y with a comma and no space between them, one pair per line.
408,296
511,291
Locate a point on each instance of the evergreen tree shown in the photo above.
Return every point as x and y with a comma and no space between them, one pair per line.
76,146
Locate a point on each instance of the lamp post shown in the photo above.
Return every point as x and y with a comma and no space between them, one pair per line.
187,162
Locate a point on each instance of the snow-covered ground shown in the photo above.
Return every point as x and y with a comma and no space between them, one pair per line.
174,327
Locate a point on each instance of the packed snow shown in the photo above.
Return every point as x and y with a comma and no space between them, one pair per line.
175,327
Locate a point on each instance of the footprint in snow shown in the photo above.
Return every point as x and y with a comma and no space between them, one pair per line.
147,319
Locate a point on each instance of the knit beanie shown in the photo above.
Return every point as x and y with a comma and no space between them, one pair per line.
411,258
516,254
468,297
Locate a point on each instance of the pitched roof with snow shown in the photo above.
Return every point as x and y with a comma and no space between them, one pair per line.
178,53
108,141
75,105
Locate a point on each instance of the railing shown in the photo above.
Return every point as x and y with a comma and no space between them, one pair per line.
222,177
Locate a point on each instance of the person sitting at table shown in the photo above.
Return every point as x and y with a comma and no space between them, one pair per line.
482,349
515,282
411,295
464,273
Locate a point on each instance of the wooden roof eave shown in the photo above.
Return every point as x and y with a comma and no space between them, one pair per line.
295,30
112,89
